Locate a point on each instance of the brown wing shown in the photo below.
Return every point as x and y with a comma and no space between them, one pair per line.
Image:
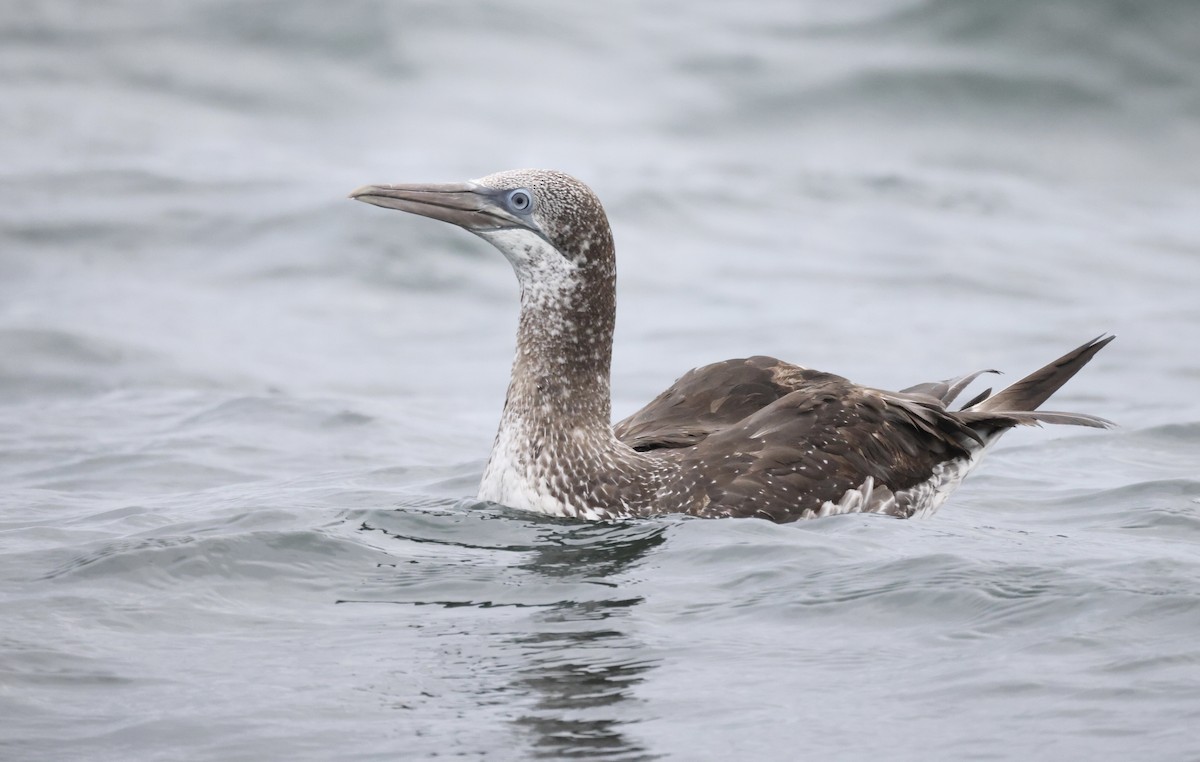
812,446
709,399
760,437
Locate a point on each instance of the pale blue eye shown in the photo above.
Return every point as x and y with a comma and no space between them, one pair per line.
520,200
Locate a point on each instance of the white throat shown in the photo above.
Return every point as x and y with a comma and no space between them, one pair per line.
547,277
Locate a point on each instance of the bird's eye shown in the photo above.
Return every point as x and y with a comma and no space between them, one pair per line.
520,200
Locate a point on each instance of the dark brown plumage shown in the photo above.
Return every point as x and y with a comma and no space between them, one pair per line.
750,437
797,439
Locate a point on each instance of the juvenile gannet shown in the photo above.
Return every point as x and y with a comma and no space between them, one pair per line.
746,437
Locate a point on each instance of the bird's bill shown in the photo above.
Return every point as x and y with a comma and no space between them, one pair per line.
467,205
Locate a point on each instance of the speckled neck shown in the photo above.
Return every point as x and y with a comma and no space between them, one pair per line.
563,360
555,449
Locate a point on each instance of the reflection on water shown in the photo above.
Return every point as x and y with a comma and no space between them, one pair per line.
574,655
593,551
579,687
583,664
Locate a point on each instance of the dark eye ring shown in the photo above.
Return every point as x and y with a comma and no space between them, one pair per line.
520,200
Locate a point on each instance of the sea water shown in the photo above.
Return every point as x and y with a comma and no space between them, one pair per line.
242,418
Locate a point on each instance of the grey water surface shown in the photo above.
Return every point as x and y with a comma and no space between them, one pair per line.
242,417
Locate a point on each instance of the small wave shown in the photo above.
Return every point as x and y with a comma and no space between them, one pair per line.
228,563
46,360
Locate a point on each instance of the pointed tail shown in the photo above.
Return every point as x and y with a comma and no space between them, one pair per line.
1020,401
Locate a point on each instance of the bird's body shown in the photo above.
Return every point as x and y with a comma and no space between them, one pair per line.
748,437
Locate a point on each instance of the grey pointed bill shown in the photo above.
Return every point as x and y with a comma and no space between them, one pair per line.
468,205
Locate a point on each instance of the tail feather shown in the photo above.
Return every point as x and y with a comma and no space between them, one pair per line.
1034,418
1020,401
946,391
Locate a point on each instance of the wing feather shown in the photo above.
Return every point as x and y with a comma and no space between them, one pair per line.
761,437
815,444
709,399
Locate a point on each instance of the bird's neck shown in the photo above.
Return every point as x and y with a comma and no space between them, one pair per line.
560,376
555,451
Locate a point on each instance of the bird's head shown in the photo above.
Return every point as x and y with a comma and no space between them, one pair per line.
549,225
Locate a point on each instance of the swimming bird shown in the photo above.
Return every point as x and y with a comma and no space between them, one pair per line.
746,437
